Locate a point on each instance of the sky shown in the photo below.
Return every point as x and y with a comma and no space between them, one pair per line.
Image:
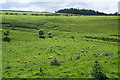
106,6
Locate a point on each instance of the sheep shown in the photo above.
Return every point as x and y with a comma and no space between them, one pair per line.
50,57
35,57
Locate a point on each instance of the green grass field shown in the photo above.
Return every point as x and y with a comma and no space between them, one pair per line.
93,35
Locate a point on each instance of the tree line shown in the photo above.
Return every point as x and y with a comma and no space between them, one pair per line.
82,12
36,14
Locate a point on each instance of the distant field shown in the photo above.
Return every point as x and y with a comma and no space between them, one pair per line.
84,36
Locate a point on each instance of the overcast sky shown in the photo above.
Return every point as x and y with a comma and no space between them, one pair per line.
107,6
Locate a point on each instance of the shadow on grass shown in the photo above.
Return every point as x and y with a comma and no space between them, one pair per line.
103,38
42,37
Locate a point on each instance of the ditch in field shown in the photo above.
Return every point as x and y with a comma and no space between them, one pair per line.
103,38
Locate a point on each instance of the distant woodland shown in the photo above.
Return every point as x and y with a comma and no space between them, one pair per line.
83,12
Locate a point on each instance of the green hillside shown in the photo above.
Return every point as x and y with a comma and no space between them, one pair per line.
77,42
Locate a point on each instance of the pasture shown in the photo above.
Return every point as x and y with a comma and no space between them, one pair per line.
26,55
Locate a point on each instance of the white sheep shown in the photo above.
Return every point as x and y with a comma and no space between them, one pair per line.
50,57
35,57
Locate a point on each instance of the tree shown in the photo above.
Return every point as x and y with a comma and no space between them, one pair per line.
116,13
49,34
41,33
24,14
15,13
97,71
6,33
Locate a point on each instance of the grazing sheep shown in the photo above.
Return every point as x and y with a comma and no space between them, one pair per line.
50,57
35,57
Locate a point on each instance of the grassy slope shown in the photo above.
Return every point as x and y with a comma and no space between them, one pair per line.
25,44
